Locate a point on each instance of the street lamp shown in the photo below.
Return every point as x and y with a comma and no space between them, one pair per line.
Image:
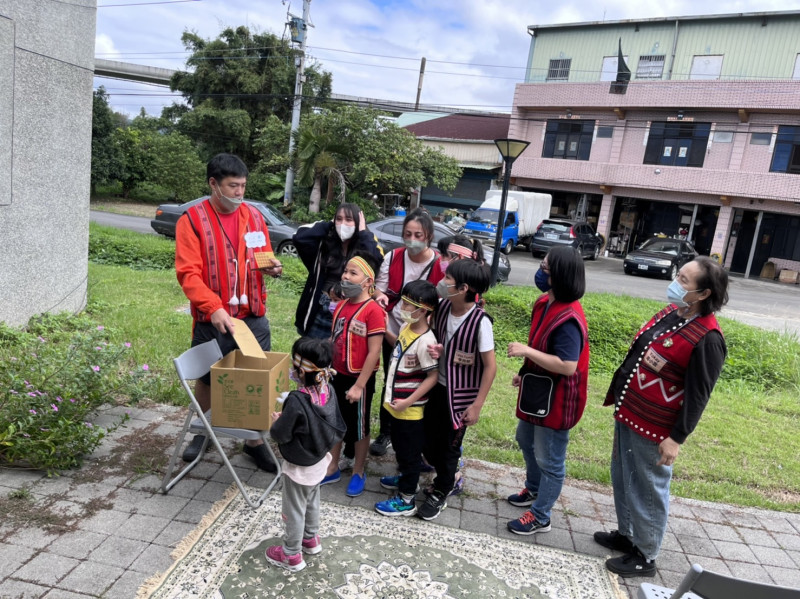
510,149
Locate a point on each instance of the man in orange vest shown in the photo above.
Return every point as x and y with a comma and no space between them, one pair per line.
216,242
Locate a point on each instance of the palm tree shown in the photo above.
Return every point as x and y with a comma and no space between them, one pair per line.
318,157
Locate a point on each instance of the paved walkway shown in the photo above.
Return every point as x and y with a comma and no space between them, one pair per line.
103,530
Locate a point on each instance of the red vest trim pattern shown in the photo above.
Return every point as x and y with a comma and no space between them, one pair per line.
353,342
397,273
653,394
570,392
219,259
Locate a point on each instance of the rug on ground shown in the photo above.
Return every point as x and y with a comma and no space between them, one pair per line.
368,555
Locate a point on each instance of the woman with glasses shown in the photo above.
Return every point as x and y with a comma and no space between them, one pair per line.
552,385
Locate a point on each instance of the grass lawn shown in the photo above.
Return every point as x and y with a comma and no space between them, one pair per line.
744,451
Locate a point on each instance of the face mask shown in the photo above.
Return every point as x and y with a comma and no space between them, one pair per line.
676,292
407,317
441,289
542,281
445,264
351,290
415,247
332,306
345,231
228,203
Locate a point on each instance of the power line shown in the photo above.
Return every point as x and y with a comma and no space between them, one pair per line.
146,3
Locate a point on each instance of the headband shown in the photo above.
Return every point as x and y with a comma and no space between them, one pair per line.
362,264
407,299
460,250
305,365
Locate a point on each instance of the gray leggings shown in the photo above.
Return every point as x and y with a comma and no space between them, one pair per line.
300,514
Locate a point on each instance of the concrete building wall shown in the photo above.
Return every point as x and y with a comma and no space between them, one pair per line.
46,70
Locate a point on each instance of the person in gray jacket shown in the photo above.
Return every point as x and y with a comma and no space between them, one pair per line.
306,429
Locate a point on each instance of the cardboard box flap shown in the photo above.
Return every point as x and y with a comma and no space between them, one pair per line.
245,339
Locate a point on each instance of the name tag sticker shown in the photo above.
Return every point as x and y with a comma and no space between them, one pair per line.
255,239
358,328
463,358
654,361
412,361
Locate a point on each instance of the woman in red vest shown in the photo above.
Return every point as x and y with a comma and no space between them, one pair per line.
659,394
552,385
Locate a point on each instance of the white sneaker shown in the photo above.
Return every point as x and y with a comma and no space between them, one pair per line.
346,463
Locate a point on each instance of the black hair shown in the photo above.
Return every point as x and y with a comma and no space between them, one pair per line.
333,255
567,273
476,277
225,165
471,244
442,244
422,291
714,278
425,221
317,351
369,259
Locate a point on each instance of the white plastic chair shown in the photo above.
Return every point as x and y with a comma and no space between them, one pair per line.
702,584
191,365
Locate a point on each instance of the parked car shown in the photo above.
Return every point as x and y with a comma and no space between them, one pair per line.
558,231
389,232
661,256
281,229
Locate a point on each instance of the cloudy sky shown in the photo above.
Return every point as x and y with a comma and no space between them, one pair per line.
476,50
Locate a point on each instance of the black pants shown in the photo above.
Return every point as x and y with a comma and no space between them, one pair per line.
408,438
442,446
385,417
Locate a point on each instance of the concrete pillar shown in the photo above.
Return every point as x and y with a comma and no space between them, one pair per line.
724,221
606,214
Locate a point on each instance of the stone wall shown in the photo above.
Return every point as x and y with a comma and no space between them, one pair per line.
46,70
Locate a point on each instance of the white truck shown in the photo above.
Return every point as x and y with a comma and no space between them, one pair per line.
525,210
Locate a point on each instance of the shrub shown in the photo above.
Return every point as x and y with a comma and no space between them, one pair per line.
56,373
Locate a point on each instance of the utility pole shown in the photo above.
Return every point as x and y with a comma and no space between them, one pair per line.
419,85
299,28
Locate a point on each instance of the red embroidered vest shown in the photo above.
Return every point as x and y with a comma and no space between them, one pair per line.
355,347
653,394
397,272
569,393
219,272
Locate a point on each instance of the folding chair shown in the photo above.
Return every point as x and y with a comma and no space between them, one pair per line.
702,584
191,365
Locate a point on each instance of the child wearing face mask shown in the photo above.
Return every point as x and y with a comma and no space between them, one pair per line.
412,373
306,428
358,327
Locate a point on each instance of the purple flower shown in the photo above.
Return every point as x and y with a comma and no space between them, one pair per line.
27,384
54,406
88,424
127,344
13,391
145,367
42,339
26,435
32,411
71,401
96,368
98,348
31,394
58,399
101,328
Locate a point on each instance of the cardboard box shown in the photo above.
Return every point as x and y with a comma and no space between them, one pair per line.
246,383
789,276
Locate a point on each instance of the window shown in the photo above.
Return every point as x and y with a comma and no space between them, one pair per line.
571,140
651,66
723,137
559,69
760,139
706,67
605,132
609,70
674,143
786,158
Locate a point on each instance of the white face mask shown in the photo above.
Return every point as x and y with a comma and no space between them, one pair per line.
229,204
345,231
408,317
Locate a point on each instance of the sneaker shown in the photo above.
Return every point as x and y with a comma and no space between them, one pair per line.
193,449
528,525
346,463
380,445
332,478
614,540
459,486
261,457
396,506
312,546
390,482
276,556
522,499
356,486
433,506
632,564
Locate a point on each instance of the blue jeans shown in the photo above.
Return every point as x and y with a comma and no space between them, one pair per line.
641,489
545,453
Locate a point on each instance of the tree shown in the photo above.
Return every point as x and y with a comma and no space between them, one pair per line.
105,154
239,76
318,155
136,151
177,167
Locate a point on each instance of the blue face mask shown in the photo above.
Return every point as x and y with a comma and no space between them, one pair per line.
675,294
542,280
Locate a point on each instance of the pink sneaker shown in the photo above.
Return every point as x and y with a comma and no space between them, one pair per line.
312,546
276,556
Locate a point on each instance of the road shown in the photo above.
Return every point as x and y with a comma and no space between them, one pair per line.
764,304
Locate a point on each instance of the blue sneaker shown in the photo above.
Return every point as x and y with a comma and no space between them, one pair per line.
332,478
527,524
390,482
356,486
396,506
